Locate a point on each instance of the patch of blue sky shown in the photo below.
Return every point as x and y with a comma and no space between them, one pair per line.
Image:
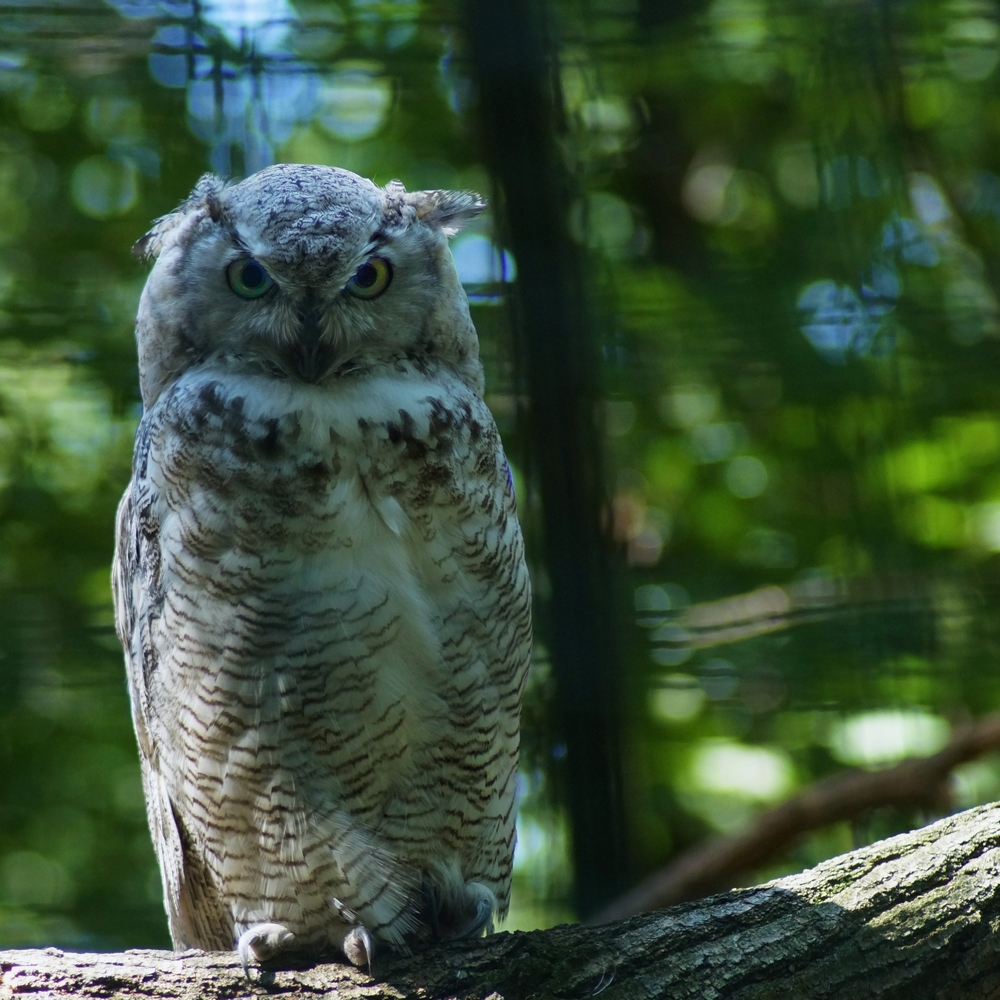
482,267
908,239
153,8
841,321
246,87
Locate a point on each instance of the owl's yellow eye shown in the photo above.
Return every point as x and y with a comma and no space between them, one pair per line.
248,279
372,278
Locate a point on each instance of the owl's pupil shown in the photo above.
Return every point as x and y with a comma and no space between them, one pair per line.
253,275
367,276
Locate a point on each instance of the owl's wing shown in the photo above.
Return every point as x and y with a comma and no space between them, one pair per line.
447,492
193,909
489,632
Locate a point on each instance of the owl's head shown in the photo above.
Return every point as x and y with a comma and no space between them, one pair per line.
304,272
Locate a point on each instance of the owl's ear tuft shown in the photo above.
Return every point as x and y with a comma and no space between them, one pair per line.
205,196
150,245
208,193
143,245
208,189
449,211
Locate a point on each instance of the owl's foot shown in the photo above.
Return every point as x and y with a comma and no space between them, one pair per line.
359,947
459,913
263,941
357,944
481,902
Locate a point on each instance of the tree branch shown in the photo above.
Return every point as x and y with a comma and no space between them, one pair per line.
912,917
917,782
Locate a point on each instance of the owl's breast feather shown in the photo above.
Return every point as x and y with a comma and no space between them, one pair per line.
320,540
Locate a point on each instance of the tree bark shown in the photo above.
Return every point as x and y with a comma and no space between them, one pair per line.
911,917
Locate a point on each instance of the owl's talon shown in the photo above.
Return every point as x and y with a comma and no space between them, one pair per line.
263,941
481,921
359,947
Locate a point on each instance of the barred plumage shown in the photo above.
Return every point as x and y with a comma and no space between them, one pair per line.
320,582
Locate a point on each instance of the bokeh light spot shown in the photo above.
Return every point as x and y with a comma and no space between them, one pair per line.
746,477
354,103
751,772
872,739
677,698
103,188
29,879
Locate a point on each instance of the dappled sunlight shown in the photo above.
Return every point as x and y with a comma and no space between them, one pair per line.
874,739
727,781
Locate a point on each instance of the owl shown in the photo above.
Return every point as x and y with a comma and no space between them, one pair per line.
319,581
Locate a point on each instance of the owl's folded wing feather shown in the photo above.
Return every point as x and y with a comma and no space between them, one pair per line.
194,912
452,504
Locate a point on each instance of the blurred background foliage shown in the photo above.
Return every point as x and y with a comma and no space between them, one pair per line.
791,214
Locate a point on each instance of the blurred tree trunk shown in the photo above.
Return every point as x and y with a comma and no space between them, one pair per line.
912,917
517,74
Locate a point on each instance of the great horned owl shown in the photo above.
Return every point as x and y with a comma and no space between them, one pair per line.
320,581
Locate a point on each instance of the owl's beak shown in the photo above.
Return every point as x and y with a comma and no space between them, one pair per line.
311,357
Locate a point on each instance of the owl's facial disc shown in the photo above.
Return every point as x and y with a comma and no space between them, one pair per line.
306,273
